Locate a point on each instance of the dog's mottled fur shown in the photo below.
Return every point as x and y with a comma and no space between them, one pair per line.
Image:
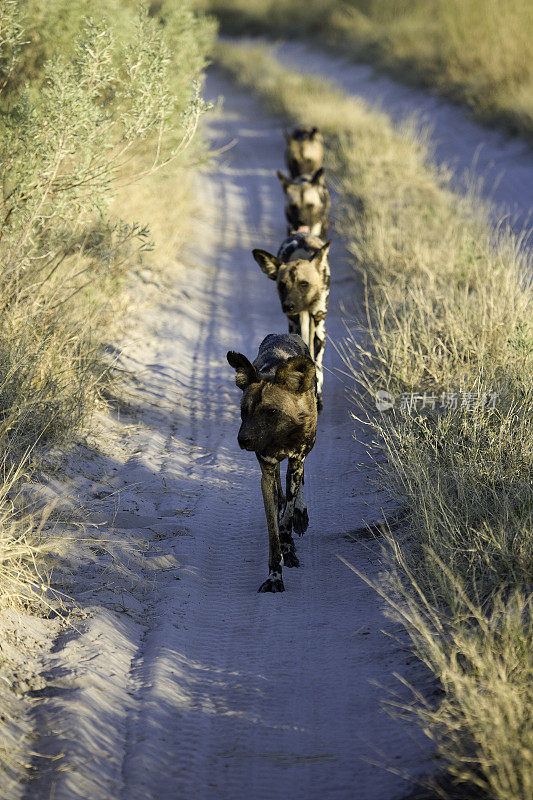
304,152
302,275
307,203
279,415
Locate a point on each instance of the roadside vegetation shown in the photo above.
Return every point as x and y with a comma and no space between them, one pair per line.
449,315
478,52
97,113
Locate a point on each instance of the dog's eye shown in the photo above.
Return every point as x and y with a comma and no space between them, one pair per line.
304,284
272,412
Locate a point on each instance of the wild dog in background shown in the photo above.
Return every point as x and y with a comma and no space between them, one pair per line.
304,153
302,275
278,412
307,203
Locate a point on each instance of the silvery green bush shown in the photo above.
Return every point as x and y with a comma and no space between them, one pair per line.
74,110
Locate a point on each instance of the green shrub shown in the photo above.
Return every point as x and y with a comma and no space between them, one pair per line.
62,149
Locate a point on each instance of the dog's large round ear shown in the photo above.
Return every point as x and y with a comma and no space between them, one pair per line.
297,374
320,259
318,177
246,372
269,264
285,182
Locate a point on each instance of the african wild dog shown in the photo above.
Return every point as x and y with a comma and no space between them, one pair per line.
278,412
307,203
304,153
301,271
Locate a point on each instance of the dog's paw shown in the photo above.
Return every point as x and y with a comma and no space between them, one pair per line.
300,521
319,403
274,583
290,559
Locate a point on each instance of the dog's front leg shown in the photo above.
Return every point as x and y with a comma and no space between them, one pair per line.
274,582
294,325
280,497
305,329
320,341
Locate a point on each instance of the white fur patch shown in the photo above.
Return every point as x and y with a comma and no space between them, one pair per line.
305,324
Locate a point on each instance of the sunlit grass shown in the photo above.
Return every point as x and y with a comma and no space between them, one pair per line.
479,52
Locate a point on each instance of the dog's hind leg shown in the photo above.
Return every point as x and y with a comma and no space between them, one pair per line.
300,518
274,582
295,514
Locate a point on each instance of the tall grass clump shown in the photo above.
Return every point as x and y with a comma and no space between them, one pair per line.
479,52
449,320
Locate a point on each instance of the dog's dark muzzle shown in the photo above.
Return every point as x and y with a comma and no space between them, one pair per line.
245,441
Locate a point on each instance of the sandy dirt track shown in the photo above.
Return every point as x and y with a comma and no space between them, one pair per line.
183,683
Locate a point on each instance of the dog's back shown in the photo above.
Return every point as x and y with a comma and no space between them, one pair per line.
275,349
299,246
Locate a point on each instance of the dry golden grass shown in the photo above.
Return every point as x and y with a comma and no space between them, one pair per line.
25,581
448,308
163,202
479,52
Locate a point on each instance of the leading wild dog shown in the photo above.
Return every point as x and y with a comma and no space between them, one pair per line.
307,203
304,152
278,412
302,275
